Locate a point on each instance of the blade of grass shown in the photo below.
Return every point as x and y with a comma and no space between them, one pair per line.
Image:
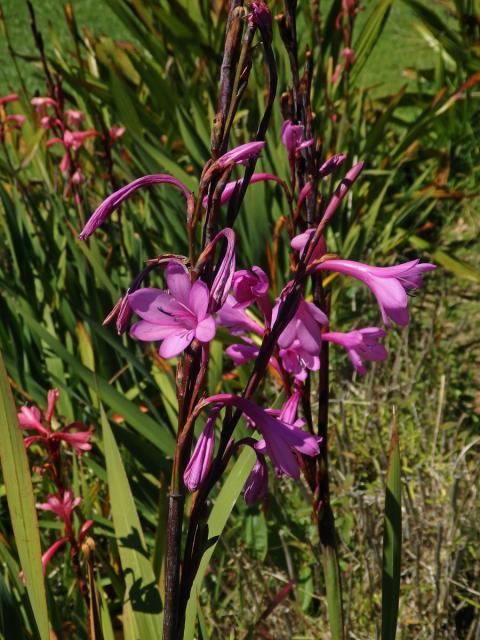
216,523
142,591
21,503
392,540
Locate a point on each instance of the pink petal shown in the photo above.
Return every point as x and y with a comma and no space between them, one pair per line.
155,306
174,344
199,299
178,282
150,332
206,329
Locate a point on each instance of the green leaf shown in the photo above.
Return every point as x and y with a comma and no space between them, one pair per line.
142,593
21,503
368,38
221,511
392,540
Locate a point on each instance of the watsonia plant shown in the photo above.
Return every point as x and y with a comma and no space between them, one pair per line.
290,337
295,221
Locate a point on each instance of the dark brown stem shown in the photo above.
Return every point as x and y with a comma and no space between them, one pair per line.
172,575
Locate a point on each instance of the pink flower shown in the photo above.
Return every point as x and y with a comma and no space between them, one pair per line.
251,285
256,486
61,506
78,177
230,187
202,456
17,118
361,344
349,55
31,418
71,140
176,317
328,167
248,285
304,328
240,155
40,104
11,97
293,139
242,353
388,284
296,360
282,440
74,117
113,201
236,320
116,132
299,242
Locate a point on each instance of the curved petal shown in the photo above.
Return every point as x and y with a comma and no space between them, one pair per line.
178,282
206,329
155,305
199,299
175,343
149,332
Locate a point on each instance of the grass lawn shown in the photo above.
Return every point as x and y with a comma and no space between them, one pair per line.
400,45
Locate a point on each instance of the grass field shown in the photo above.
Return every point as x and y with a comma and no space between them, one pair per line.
400,46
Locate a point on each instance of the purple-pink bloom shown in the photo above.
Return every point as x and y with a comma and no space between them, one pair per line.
202,456
360,344
256,486
225,271
62,506
236,320
388,284
230,187
74,117
330,165
296,360
293,138
242,353
11,97
304,327
240,154
249,285
298,243
281,440
110,204
31,418
175,317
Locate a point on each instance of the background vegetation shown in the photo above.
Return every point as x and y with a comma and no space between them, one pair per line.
411,111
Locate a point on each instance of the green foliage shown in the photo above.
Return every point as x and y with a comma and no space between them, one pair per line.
158,77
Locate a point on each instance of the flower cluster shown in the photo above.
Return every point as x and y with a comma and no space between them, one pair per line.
194,304
62,503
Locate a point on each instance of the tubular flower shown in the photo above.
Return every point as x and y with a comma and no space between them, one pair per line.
236,320
256,486
281,440
230,187
11,97
113,201
361,344
240,154
61,506
388,284
175,317
251,285
304,328
31,418
261,17
202,456
293,139
74,117
71,140
298,243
